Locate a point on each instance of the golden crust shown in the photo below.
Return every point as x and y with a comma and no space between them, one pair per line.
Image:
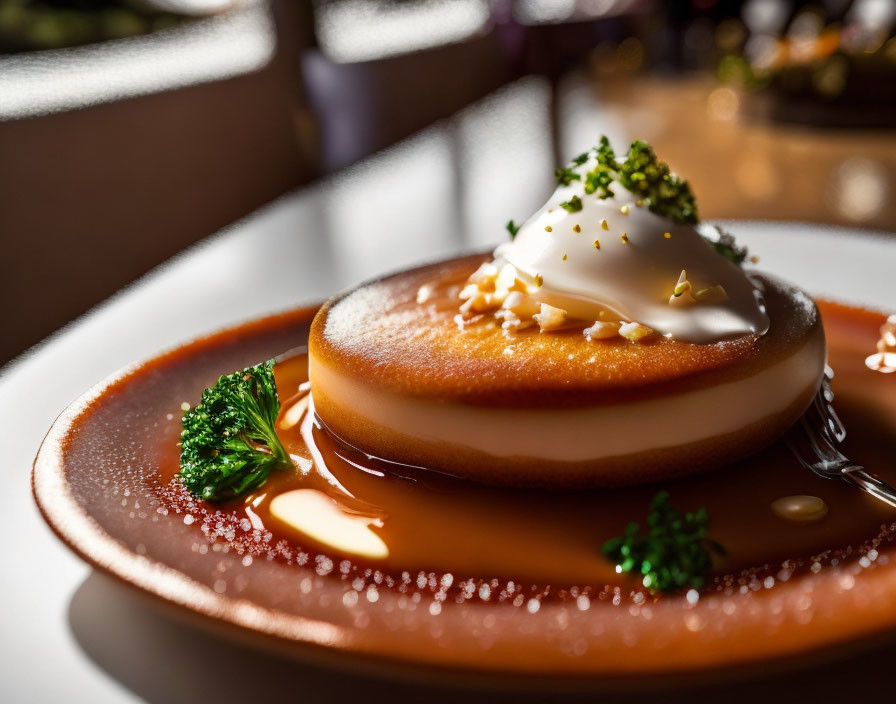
380,334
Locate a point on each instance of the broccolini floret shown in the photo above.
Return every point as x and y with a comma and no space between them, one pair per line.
228,444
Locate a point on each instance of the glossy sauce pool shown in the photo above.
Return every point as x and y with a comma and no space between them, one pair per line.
468,541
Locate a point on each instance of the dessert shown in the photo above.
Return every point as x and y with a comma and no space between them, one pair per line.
605,345
614,342
362,557
344,512
270,515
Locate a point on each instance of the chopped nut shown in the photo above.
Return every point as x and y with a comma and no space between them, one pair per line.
539,280
597,244
604,225
477,304
681,294
487,285
884,362
713,294
623,237
624,210
682,301
508,281
577,228
486,270
469,291
488,288
425,292
514,323
513,320
887,342
885,359
521,305
550,318
635,331
601,331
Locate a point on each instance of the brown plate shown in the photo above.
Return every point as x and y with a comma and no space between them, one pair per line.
96,483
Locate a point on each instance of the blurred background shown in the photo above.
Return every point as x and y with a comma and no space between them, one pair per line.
131,129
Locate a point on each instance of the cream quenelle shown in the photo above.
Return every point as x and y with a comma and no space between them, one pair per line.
610,259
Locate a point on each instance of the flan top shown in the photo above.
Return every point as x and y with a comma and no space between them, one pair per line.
399,334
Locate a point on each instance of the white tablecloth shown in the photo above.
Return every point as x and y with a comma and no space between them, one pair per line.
67,639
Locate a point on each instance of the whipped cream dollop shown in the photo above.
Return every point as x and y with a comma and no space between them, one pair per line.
615,260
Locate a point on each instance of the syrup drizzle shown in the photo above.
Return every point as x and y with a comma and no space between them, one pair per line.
448,540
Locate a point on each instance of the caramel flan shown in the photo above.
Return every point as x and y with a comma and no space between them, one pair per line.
614,340
401,380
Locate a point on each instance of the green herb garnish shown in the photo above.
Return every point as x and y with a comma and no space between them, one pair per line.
228,444
673,555
565,175
598,180
650,179
605,153
512,228
660,190
729,251
573,205
723,242
643,174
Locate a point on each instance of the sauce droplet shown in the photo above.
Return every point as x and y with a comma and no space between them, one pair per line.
800,508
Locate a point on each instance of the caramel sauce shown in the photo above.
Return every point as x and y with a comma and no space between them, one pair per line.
433,524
